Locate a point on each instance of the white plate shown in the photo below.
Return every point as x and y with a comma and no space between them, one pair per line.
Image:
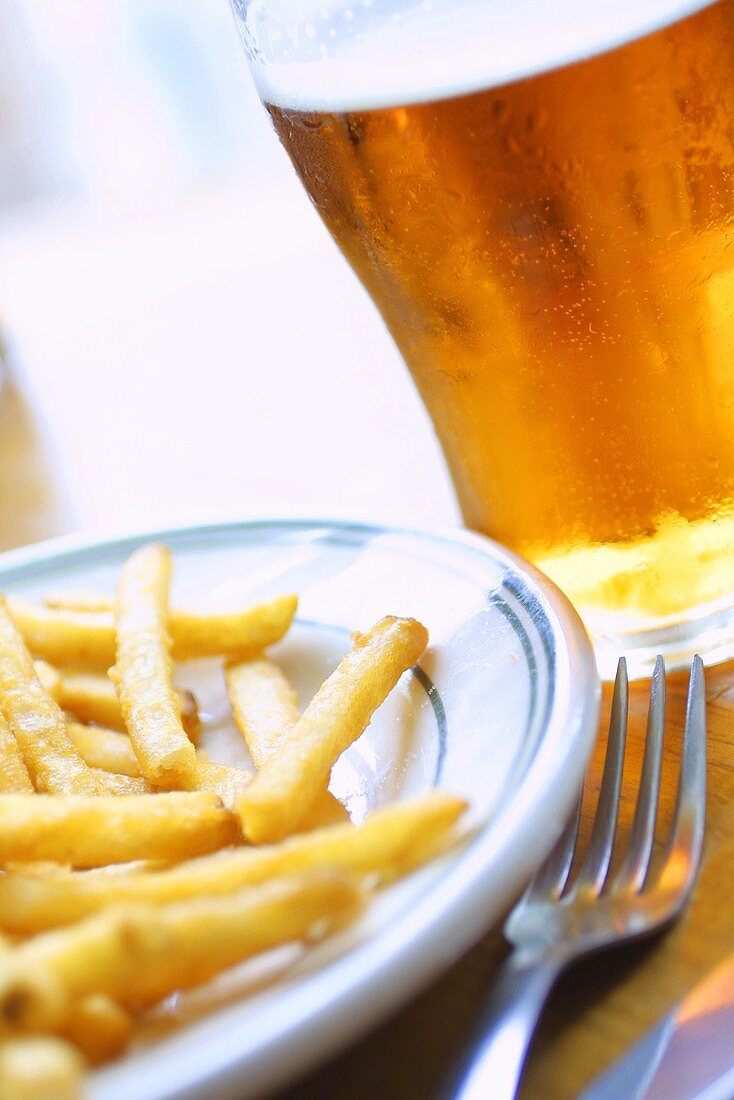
503,710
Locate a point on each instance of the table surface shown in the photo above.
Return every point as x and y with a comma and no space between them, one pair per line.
172,370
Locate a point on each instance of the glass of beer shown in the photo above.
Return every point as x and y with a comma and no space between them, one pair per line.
539,197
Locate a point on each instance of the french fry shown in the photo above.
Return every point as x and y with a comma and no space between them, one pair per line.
99,1027
78,599
189,712
36,721
89,832
73,638
112,752
40,868
226,782
86,639
110,784
265,711
137,954
325,810
281,794
91,697
49,678
391,842
143,672
39,1067
13,772
264,705
105,749
227,633
28,1001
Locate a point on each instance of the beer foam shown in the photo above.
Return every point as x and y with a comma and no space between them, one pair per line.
340,55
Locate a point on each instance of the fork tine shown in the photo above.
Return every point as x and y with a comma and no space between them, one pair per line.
594,869
683,850
633,872
549,880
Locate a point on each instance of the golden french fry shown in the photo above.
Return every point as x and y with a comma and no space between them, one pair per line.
229,784
223,780
264,705
325,810
39,868
39,1067
105,749
28,1001
112,752
143,672
89,832
225,633
189,711
78,599
86,639
390,843
73,638
99,1027
137,954
91,697
110,784
36,721
264,708
281,794
49,678
13,772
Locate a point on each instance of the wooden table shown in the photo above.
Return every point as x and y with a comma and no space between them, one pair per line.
139,401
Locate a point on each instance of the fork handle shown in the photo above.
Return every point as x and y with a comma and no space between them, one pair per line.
493,1062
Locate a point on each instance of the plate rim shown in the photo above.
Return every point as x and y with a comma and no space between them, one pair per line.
361,987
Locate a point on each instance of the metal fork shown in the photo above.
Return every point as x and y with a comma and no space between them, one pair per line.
557,922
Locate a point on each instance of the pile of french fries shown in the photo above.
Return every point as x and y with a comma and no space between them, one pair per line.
132,865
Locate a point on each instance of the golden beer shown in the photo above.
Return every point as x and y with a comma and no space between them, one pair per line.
554,257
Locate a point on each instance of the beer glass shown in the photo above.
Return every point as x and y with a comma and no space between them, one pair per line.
539,197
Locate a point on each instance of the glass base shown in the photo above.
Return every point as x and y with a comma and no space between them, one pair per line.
708,631
668,592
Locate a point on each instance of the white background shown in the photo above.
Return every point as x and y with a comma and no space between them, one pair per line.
187,339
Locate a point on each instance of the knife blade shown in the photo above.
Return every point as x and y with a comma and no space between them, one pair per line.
688,1055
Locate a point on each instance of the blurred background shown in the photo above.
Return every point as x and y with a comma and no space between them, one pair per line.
181,339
